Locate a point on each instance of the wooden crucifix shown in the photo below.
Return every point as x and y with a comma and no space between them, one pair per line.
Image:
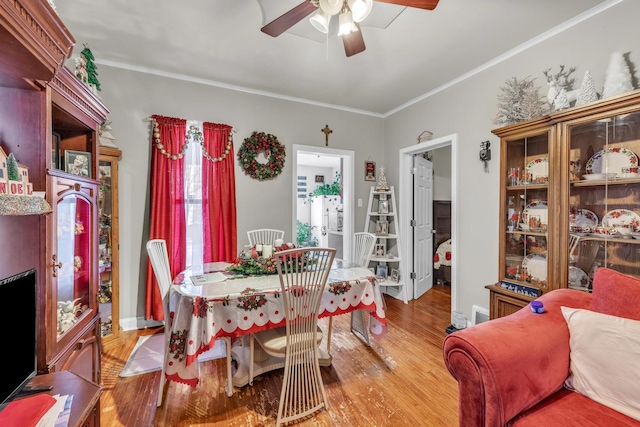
326,132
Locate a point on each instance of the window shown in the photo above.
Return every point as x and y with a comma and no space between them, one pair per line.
193,200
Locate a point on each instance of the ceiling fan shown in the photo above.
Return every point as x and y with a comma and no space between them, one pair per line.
350,14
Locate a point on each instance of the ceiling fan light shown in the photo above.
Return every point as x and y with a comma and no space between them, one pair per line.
320,21
360,9
346,23
330,7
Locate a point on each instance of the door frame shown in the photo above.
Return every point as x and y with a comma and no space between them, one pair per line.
348,190
406,207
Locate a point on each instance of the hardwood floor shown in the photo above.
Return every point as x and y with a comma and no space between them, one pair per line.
400,380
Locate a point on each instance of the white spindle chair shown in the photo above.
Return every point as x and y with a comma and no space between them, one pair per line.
303,275
265,236
363,244
157,250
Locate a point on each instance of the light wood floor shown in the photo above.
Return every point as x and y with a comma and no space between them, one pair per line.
400,380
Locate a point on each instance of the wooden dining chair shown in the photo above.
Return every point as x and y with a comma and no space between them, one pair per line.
303,274
157,250
265,236
363,244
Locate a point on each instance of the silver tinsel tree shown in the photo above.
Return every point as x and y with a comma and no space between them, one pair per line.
520,100
617,79
587,92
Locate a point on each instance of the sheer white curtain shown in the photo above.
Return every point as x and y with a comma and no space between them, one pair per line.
193,196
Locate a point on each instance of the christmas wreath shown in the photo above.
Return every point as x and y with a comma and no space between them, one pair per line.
261,142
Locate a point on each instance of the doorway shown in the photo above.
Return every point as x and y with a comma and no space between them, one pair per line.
347,162
407,207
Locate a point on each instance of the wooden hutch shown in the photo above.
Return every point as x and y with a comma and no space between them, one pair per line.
47,119
569,200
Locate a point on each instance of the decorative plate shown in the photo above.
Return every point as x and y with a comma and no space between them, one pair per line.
578,279
599,176
536,265
539,168
611,160
622,218
583,218
535,209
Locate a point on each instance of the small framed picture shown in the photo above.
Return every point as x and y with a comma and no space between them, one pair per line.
395,274
319,178
383,207
78,163
369,171
379,250
382,227
381,271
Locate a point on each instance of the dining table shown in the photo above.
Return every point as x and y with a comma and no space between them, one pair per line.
208,302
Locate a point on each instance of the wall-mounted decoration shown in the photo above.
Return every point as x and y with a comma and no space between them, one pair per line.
369,170
425,136
77,163
260,142
319,178
485,154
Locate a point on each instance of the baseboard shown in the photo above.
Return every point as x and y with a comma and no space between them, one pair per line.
133,323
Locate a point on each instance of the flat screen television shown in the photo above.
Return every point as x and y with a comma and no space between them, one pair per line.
19,332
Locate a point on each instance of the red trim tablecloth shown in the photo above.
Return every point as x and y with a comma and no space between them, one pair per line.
236,307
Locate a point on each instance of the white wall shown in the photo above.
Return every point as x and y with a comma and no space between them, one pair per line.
132,96
442,173
468,109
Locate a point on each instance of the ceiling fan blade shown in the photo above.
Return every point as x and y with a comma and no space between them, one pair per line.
418,4
353,42
289,19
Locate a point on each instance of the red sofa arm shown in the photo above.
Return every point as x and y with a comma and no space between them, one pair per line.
509,364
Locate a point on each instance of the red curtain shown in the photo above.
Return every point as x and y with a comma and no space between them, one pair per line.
218,195
167,203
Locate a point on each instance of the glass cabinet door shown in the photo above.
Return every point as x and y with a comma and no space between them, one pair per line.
108,254
525,214
604,198
73,256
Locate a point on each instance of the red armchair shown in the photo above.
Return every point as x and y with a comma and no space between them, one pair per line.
510,371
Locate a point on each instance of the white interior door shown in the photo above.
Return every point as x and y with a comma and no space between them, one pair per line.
423,230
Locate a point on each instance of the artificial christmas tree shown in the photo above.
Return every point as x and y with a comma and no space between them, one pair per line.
382,185
520,100
587,92
92,74
561,102
12,168
617,79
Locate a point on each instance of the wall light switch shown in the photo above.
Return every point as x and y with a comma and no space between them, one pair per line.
359,203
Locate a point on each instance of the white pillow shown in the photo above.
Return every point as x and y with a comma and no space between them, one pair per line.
605,359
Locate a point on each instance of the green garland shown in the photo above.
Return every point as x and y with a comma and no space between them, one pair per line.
252,146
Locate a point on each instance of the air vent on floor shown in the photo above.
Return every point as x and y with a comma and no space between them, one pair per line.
479,314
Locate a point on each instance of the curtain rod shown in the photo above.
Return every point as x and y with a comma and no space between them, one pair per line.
150,119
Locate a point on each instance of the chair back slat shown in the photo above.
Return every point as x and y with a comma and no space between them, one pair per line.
264,236
303,274
363,244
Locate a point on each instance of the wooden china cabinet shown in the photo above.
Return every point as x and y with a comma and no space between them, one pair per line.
108,264
47,120
569,200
